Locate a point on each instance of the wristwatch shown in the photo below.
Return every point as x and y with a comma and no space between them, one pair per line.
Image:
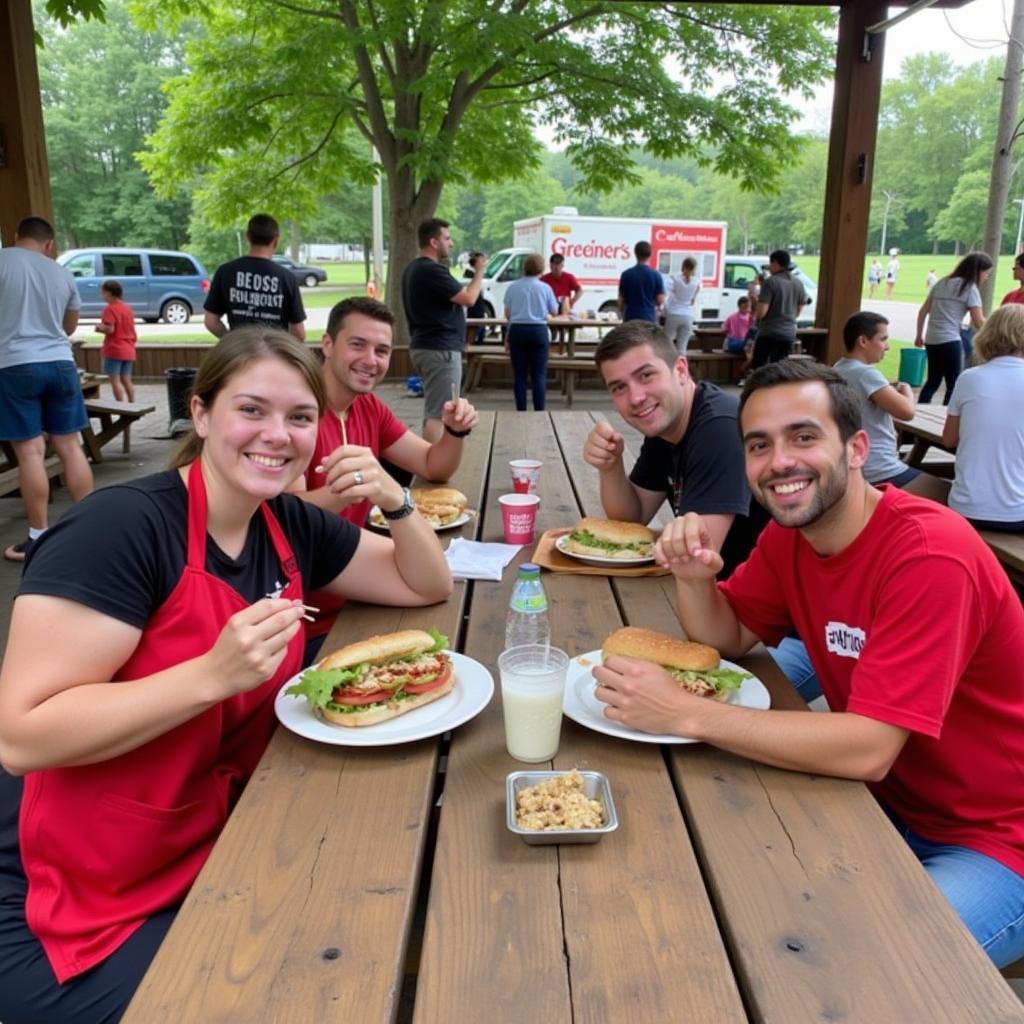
407,507
458,433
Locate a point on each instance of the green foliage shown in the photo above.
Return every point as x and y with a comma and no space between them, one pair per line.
101,91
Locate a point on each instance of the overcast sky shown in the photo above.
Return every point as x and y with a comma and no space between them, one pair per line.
971,33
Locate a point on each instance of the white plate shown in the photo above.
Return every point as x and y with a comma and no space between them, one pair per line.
597,559
582,706
474,688
460,521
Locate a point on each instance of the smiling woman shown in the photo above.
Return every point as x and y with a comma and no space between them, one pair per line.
181,595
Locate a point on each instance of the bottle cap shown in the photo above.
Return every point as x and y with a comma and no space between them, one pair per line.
529,569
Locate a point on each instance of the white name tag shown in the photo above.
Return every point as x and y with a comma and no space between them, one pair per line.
843,640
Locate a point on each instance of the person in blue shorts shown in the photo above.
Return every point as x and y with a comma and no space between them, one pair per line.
40,396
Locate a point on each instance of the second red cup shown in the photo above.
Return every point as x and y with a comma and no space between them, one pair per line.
519,517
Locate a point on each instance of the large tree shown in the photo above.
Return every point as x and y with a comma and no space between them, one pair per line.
450,92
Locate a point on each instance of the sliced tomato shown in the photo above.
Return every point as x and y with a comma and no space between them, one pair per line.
359,696
433,684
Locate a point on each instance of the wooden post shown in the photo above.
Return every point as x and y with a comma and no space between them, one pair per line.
851,160
24,173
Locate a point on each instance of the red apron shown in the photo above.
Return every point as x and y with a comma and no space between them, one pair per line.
105,846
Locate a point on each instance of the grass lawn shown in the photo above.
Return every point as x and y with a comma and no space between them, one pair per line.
910,284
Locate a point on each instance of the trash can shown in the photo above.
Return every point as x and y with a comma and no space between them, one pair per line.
179,389
912,366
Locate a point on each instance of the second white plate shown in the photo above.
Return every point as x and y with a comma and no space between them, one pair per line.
583,707
382,523
597,559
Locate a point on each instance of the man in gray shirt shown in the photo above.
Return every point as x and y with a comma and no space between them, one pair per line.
39,389
778,306
866,338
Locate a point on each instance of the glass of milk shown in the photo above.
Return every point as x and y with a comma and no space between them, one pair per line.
532,684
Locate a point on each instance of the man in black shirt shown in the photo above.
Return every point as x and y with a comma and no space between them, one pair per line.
692,454
778,306
253,289
434,304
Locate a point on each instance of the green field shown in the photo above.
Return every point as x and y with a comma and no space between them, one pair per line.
910,285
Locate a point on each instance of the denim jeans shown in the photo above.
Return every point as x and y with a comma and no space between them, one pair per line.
528,346
986,895
795,663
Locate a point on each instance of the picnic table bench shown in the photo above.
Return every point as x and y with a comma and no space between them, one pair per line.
380,883
116,419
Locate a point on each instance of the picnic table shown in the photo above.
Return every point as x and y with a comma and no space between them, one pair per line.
569,325
380,884
925,431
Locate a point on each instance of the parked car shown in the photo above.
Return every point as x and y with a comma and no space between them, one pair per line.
741,270
303,273
158,284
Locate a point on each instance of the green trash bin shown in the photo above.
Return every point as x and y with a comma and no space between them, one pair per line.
912,366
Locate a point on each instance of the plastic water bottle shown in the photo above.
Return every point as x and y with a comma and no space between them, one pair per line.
527,619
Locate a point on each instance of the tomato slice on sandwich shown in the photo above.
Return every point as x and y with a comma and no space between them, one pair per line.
433,684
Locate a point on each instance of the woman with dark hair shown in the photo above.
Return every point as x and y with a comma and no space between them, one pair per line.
153,627
1017,295
528,304
985,426
952,298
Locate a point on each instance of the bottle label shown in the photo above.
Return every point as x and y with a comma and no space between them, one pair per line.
532,603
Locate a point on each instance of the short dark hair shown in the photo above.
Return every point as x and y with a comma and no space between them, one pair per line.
642,250
113,287
357,304
557,257
781,257
844,401
262,229
1019,261
861,324
36,228
428,229
633,334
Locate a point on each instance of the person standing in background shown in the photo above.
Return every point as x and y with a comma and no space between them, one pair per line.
680,305
478,311
117,325
778,307
567,291
931,280
434,303
253,289
40,395
874,277
892,271
641,289
952,299
528,304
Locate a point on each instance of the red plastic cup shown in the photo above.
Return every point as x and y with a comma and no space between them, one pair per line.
519,517
525,475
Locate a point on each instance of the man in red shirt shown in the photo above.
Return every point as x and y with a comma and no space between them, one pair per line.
358,430
912,627
567,292
1018,275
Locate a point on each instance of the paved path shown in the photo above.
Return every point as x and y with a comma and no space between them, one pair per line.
902,317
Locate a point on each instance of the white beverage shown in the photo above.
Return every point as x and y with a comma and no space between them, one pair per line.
532,684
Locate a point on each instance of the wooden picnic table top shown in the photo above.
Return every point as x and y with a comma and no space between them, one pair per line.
380,884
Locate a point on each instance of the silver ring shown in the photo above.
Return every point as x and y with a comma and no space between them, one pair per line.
358,477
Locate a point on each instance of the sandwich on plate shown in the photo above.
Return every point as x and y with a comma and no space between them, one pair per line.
610,538
378,678
440,506
695,667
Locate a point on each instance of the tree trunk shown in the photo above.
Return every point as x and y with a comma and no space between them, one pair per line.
294,235
999,182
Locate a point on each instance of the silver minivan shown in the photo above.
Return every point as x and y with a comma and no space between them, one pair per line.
158,284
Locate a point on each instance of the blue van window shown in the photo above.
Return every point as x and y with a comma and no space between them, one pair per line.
122,264
167,265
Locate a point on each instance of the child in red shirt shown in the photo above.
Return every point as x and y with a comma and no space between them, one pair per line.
117,324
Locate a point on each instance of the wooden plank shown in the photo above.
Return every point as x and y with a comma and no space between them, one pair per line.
829,915
308,867
517,933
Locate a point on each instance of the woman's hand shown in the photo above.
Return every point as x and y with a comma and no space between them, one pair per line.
252,645
353,474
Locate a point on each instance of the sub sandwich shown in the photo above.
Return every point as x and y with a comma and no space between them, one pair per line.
696,667
378,678
610,538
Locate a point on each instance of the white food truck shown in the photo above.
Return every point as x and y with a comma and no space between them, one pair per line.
598,249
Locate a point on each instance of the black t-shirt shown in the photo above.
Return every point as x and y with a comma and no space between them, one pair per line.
435,321
705,472
255,290
123,549
479,308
